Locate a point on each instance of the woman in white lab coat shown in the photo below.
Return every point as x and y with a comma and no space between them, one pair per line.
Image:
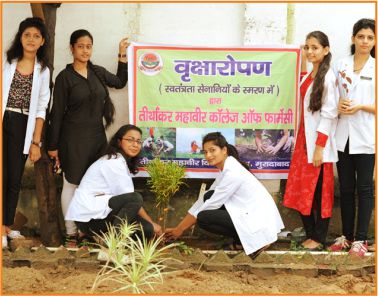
310,184
355,137
106,192
237,204
26,94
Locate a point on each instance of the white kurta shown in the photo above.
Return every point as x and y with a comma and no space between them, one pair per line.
360,88
251,207
104,179
40,95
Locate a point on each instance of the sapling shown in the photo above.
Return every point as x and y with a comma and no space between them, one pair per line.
166,177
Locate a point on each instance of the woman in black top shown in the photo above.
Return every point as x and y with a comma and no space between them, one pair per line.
81,102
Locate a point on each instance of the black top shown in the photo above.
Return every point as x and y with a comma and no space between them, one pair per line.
76,127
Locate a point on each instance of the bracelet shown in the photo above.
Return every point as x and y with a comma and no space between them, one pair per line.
121,55
38,144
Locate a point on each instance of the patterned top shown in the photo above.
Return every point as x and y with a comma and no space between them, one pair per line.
20,91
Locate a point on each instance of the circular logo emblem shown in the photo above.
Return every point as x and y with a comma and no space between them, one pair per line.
150,63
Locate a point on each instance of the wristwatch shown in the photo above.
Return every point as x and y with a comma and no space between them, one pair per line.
39,144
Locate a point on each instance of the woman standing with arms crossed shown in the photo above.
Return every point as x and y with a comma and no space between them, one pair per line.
310,185
26,94
80,103
355,137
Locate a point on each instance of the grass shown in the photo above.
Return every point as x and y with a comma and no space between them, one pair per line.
133,262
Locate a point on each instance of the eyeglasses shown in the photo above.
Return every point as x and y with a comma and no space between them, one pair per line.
132,141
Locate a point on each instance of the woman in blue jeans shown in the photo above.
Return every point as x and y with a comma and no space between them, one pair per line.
355,137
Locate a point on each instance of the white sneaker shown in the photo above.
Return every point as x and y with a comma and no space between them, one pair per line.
15,234
4,242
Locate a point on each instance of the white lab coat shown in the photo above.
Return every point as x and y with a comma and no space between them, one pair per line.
324,120
40,95
360,126
104,179
251,207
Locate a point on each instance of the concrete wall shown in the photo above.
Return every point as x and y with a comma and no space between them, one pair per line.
192,24
266,23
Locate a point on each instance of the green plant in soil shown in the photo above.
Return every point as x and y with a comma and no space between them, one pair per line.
166,177
134,263
295,246
183,248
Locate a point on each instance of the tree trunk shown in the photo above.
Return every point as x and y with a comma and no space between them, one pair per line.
49,211
290,30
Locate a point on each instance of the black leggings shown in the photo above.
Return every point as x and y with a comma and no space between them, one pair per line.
217,221
356,171
315,226
124,206
14,131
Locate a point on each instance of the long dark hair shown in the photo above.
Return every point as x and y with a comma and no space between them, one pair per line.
219,140
318,86
114,147
109,110
16,51
363,24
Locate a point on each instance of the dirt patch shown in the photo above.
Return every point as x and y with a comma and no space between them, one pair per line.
188,281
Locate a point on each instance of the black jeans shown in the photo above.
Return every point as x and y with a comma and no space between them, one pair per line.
14,131
356,170
124,206
315,226
217,221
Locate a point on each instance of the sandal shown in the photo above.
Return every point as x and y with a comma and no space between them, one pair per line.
255,254
71,241
85,242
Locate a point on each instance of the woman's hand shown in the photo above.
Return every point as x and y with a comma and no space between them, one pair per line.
346,107
53,154
34,153
272,150
157,229
260,147
353,109
173,233
317,159
123,45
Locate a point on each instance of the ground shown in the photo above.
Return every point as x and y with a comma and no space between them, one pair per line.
188,281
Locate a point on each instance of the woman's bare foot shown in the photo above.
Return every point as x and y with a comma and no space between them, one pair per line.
312,244
306,242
